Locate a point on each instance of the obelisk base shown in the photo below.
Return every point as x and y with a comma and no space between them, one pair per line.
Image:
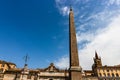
75,73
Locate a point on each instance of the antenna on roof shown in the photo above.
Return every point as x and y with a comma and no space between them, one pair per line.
26,58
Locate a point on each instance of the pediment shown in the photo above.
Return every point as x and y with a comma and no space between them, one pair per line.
51,68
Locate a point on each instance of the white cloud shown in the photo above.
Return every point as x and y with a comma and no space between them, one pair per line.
63,62
107,43
65,10
117,2
84,37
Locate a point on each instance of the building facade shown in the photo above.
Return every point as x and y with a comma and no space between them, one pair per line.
4,65
103,72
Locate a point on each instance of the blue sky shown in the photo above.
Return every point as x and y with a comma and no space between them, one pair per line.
40,28
33,27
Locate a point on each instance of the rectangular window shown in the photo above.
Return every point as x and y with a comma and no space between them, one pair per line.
2,65
29,77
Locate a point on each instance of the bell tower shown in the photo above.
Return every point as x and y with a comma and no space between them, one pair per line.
75,69
97,63
97,60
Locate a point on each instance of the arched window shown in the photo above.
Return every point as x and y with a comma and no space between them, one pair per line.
117,75
107,70
2,65
100,75
113,75
108,74
104,74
